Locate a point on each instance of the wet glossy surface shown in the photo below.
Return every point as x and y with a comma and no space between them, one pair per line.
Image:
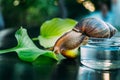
12,68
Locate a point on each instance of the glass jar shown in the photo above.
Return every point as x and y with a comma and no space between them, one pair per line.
101,53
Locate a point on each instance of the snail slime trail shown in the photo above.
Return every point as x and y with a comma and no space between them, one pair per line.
87,27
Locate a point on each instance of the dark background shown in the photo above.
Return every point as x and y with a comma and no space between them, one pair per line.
32,13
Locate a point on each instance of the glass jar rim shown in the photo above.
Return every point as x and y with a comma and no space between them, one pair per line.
114,41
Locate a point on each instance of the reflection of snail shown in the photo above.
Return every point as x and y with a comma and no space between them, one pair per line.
88,27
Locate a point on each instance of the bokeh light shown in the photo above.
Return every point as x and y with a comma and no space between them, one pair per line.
16,2
80,1
89,5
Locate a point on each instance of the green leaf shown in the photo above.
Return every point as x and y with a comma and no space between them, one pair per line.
26,49
51,30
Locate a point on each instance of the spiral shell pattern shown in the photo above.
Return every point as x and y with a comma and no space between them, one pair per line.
94,27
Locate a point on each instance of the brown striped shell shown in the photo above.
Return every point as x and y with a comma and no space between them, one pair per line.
94,27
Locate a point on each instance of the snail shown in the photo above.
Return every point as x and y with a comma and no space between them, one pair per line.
87,27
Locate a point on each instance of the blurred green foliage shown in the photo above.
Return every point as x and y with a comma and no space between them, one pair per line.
28,12
34,12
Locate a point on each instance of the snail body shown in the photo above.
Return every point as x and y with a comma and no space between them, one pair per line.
71,39
88,27
70,53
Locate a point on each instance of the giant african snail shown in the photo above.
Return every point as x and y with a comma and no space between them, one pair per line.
87,27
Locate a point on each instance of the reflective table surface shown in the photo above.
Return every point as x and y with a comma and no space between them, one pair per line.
12,68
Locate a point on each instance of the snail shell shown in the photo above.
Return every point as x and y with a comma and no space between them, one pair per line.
88,27
94,27
113,30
